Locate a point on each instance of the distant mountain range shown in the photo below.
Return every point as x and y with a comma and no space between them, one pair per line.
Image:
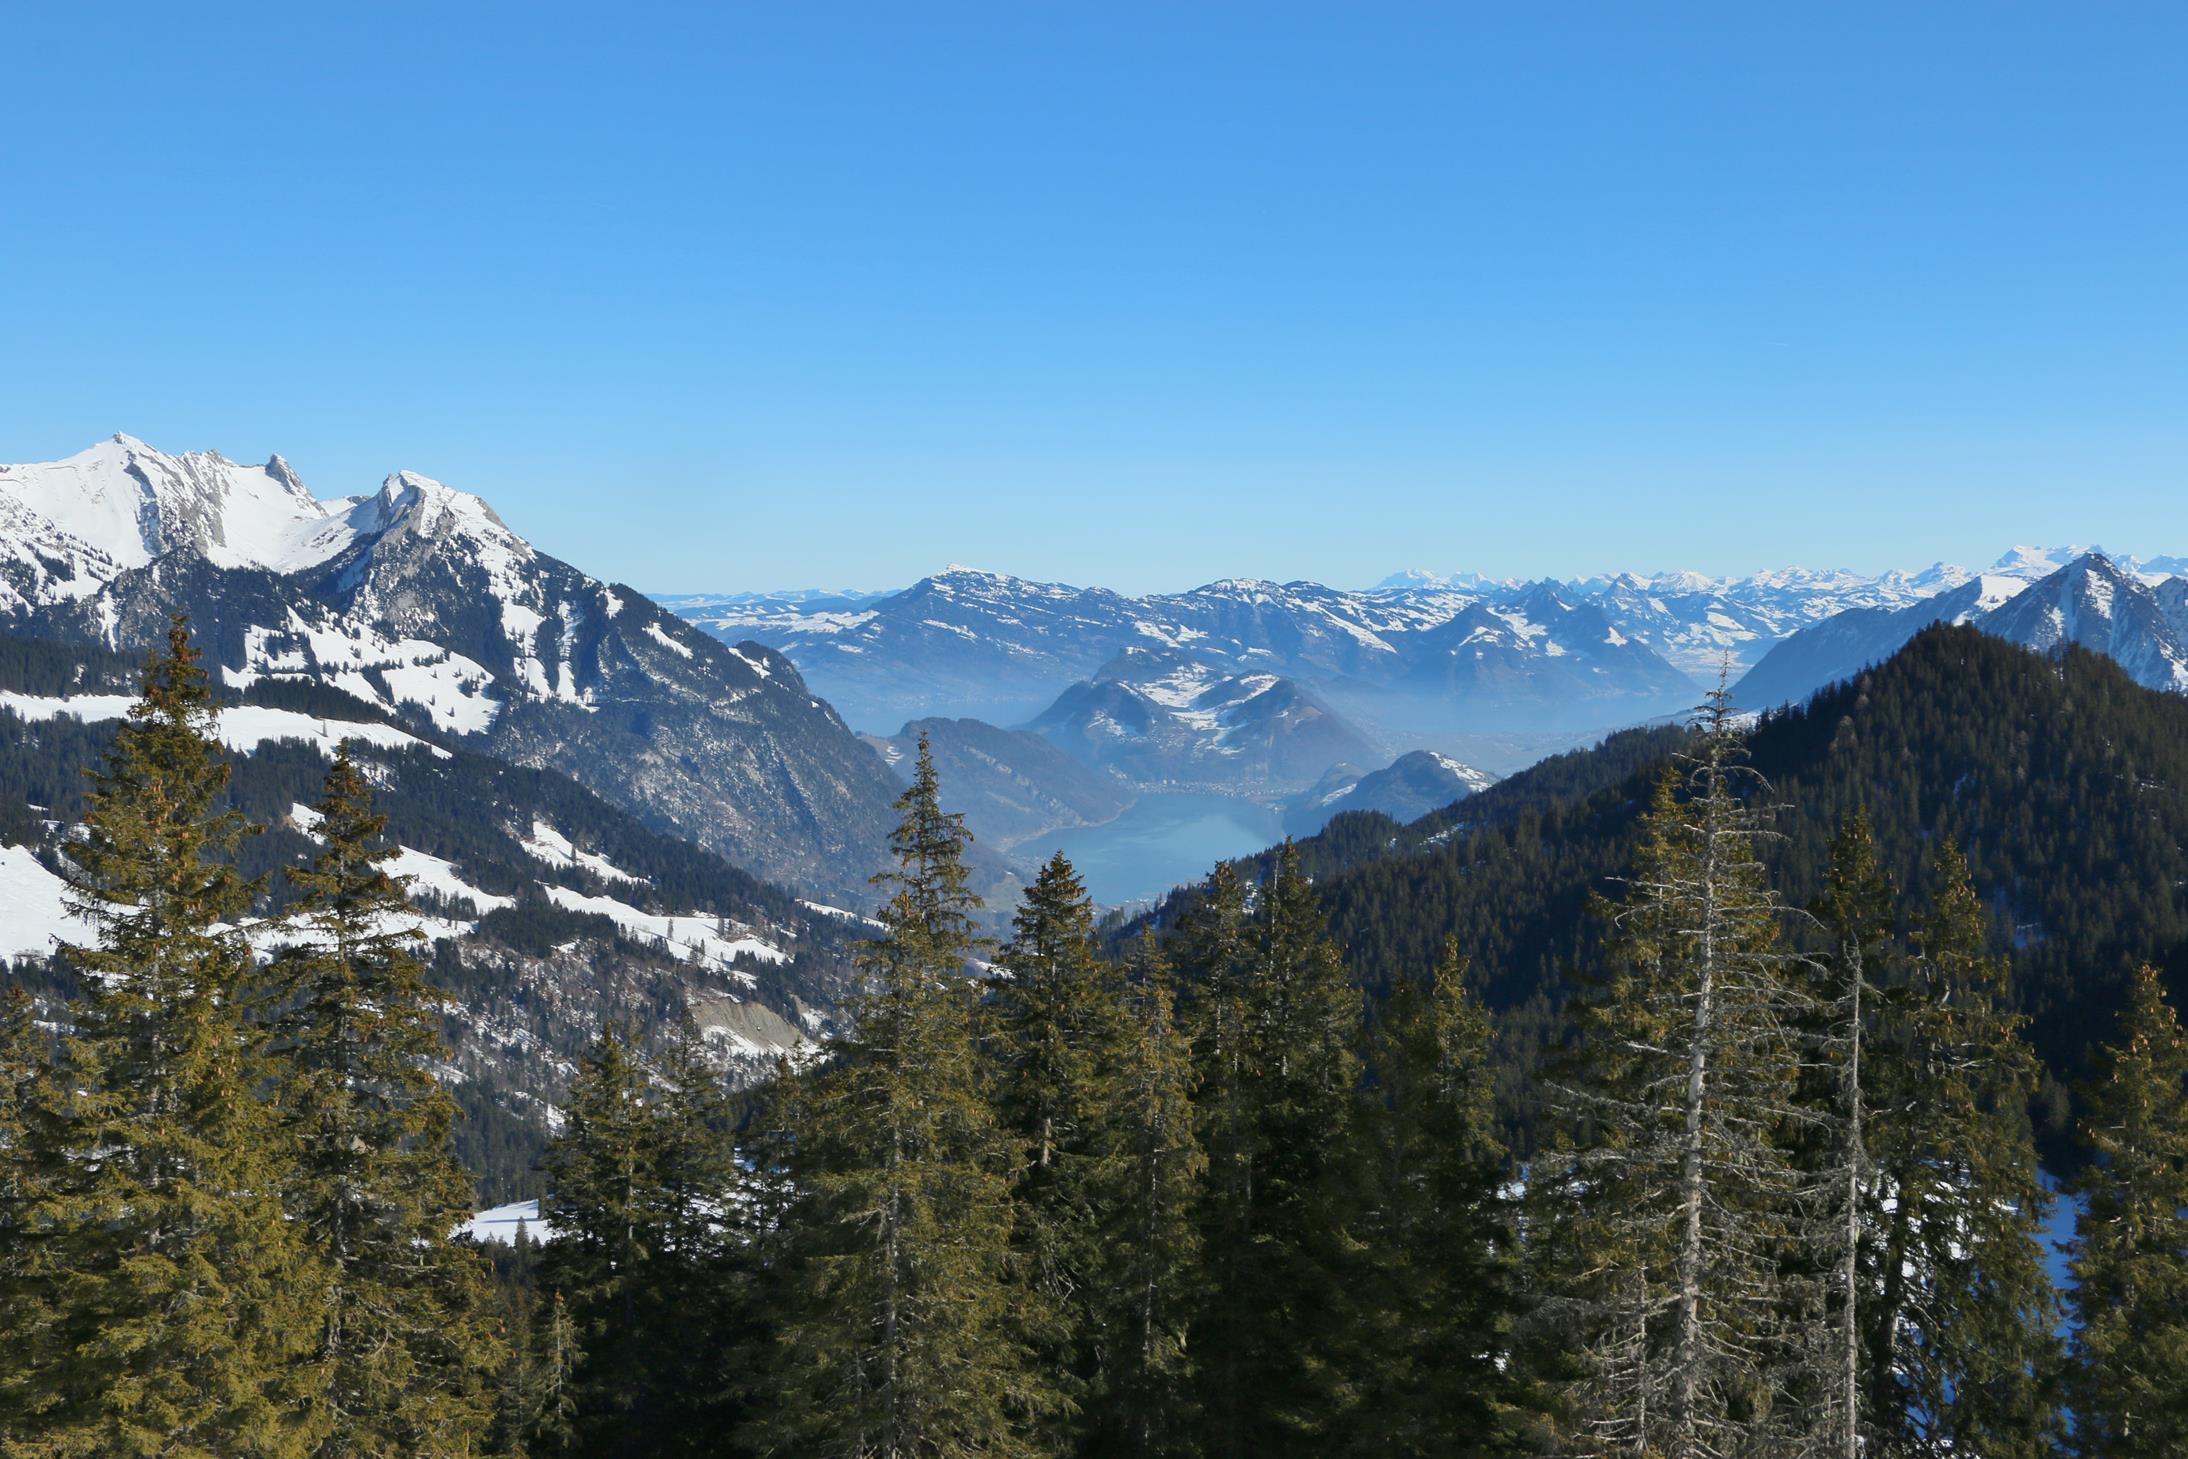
1395,662
1415,660
2131,614
418,599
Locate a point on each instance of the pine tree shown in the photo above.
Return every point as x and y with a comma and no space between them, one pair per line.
1059,1031
903,1332
1961,1352
2129,1384
374,1187
1141,1407
1300,1068
186,1299
1675,1211
1431,1313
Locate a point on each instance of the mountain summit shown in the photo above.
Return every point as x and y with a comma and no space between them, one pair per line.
420,600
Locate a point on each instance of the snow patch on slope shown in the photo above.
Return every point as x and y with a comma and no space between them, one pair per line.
34,912
692,937
555,849
241,727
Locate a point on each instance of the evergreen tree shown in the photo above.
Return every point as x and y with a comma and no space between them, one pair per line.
1212,956
2129,1385
1675,1211
537,1409
186,1300
903,1332
1962,1356
1059,1030
696,1293
374,1187
1276,1394
1432,1309
1141,1407
1856,913
604,1171
30,1105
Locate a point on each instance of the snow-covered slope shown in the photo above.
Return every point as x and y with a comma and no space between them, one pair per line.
420,600
2090,600
1843,645
547,910
2094,603
1161,719
68,527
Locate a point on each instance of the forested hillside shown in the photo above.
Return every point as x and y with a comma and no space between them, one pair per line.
2065,783
551,910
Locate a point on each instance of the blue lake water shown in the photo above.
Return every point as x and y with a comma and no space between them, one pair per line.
1161,842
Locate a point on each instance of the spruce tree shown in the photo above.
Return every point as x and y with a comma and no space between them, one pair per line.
1432,1309
1059,1031
1856,914
374,1187
599,1270
2129,1382
1276,1393
698,1290
1212,960
536,1410
1149,1283
1962,1354
1675,1211
30,1106
903,1333
186,1299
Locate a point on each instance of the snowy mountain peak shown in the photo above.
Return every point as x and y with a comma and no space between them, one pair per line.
2041,562
431,509
68,526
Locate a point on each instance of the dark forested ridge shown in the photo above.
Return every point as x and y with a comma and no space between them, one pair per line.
2064,781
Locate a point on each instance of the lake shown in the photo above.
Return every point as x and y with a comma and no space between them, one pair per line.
1160,842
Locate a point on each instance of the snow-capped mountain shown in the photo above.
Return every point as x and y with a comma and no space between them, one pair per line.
2093,603
1408,788
67,528
420,600
1162,719
2090,600
1421,656
1843,645
1002,648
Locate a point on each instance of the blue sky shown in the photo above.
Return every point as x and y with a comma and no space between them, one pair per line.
759,296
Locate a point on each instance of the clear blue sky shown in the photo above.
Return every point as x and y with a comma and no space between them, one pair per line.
763,295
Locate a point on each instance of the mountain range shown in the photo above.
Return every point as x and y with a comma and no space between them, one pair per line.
1412,662
419,600
2137,618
